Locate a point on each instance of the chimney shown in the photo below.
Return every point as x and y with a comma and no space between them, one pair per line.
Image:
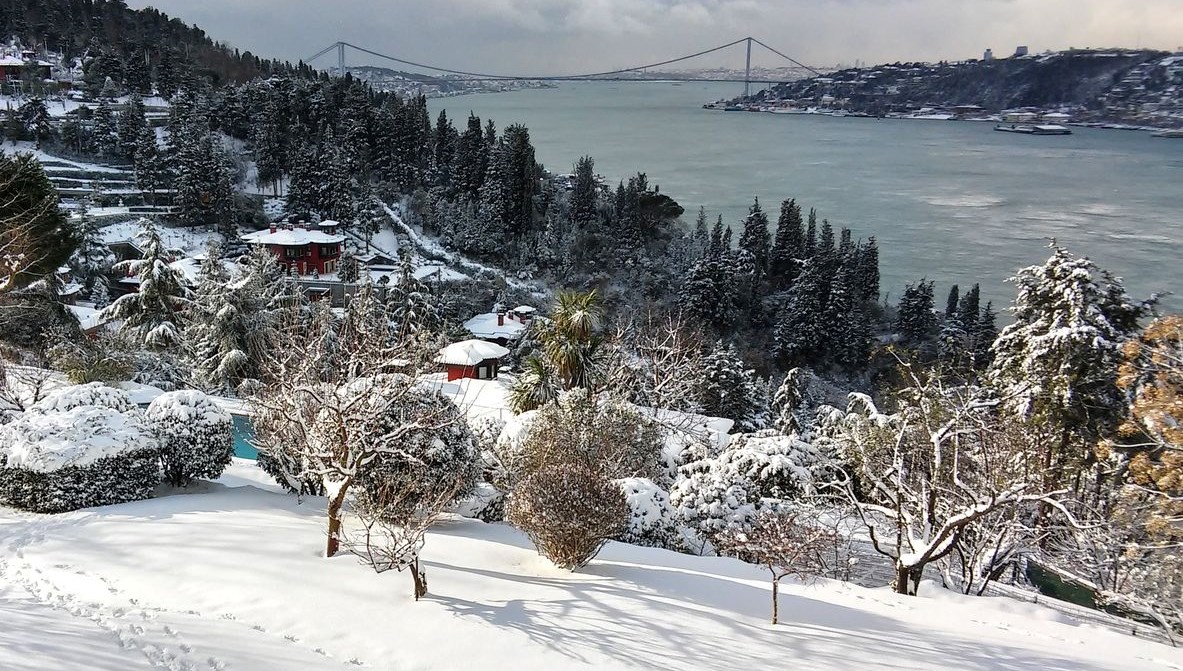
501,319
273,227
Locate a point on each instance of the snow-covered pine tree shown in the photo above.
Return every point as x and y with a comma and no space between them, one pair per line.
214,329
756,240
727,388
847,338
916,321
800,330
150,166
868,270
104,134
131,125
348,267
788,246
149,315
1057,362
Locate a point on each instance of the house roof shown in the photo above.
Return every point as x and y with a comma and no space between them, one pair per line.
525,309
292,238
470,353
486,326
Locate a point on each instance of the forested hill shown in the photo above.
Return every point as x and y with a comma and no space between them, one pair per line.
1090,80
129,41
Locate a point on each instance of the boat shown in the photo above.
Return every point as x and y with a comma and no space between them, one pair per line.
1034,129
1170,133
734,108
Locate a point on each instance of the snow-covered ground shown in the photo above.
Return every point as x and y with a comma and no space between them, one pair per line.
229,576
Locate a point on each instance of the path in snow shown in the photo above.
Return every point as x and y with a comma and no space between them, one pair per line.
96,626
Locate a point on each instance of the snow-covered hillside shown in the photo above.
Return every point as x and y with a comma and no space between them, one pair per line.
229,576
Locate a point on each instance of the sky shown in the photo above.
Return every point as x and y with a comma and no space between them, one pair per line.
523,37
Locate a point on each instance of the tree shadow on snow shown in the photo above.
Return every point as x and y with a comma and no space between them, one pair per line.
639,615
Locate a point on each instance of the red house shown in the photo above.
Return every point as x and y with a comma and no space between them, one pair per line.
307,249
473,359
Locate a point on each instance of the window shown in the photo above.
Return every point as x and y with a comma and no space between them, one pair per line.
293,252
329,250
330,266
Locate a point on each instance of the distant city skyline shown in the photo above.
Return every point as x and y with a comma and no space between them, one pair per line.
570,36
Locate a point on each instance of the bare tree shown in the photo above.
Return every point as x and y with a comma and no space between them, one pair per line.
937,469
332,411
784,544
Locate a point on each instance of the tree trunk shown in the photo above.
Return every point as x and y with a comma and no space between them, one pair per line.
335,505
775,593
420,578
907,579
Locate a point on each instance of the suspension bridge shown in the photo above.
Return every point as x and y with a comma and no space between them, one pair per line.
621,74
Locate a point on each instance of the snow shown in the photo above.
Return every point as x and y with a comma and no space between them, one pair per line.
191,241
477,399
46,442
291,238
30,148
228,576
487,326
470,353
88,318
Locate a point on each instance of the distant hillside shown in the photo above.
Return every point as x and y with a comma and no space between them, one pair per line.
1114,83
129,40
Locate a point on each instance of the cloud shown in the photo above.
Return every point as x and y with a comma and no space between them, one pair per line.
565,36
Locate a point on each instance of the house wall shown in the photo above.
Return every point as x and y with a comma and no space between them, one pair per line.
309,259
485,370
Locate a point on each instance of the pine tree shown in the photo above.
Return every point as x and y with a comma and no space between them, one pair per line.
810,246
35,237
789,246
729,389
348,267
756,241
214,329
984,334
847,334
584,195
952,302
915,320
204,193
1056,363
151,170
800,331
868,271
131,126
104,134
969,308
446,146
150,314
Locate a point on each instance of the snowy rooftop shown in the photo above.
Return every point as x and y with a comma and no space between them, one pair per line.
476,398
190,268
470,353
292,238
486,326
88,317
525,310
438,273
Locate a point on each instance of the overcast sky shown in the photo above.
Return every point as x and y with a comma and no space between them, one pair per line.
574,36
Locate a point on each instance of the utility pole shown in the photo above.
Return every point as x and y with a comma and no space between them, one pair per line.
747,75
341,59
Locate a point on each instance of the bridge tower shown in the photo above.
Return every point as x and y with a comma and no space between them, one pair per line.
747,74
341,59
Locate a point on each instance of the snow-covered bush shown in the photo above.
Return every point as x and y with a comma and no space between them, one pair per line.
652,521
486,503
775,465
753,472
95,394
609,436
194,434
569,511
709,505
84,456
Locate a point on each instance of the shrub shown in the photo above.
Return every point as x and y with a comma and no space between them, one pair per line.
652,521
569,511
194,434
52,462
607,436
95,394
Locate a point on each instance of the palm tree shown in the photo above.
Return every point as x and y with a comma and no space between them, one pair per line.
572,342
